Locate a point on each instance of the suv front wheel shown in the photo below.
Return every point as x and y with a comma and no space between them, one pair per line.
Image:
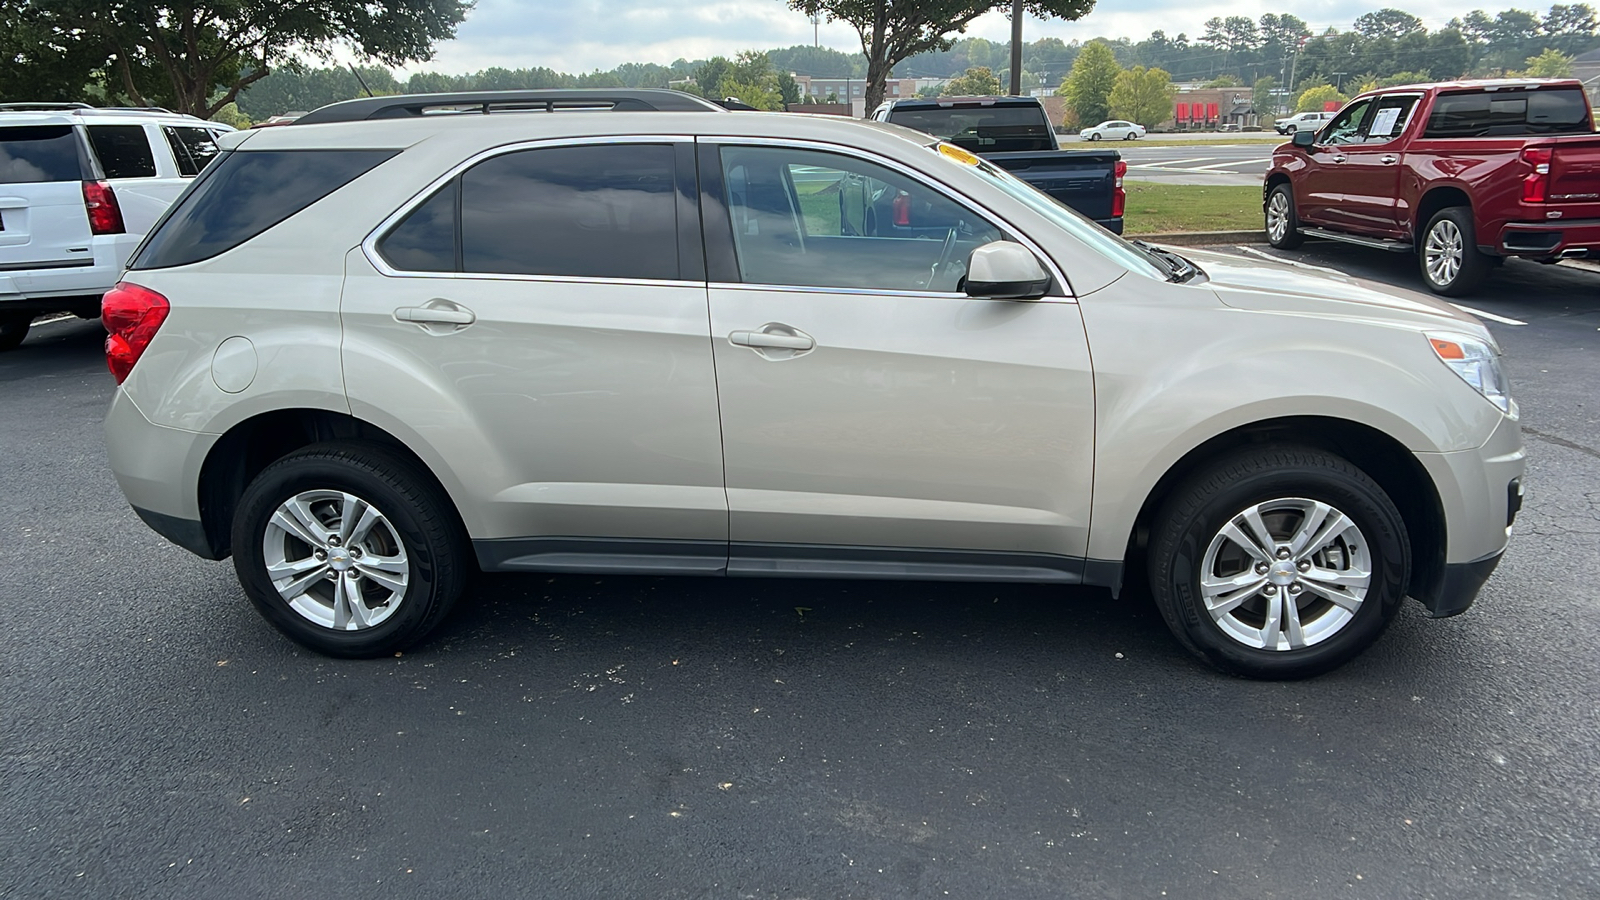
1279,562
1283,228
349,550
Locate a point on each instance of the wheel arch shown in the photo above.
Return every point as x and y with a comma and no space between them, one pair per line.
1383,458
1438,197
257,442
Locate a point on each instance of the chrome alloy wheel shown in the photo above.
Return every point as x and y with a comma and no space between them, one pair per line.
1443,251
1285,574
336,560
1277,215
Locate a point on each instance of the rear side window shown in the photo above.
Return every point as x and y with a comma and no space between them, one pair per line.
428,238
123,151
245,194
192,148
39,153
1486,114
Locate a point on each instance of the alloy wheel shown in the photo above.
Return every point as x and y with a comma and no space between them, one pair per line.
1277,215
336,560
1443,252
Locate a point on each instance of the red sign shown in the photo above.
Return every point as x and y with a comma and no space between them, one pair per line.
1183,112
1330,106
1211,110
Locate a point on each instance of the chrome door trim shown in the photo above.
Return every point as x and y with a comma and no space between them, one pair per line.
922,177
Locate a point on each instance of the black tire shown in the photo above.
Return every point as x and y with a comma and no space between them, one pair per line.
1473,268
1290,130
416,514
1291,236
1094,136
1191,524
1129,136
14,330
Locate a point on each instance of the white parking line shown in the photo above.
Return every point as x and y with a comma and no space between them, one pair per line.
1224,165
1172,162
1503,320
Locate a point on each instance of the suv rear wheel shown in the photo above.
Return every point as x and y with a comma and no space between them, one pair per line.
14,329
1279,562
1451,263
348,550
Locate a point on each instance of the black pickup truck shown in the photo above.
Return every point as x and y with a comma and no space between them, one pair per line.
1014,134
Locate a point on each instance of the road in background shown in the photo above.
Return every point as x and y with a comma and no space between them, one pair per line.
699,738
1219,164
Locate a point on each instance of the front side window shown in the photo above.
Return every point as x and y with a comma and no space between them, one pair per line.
597,210
1346,127
815,219
1390,118
123,151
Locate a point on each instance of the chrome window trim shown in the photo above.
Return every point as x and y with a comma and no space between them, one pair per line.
921,177
860,292
369,245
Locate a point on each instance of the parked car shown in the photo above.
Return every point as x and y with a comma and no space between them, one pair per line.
367,358
1014,134
1306,121
1113,130
79,187
1463,174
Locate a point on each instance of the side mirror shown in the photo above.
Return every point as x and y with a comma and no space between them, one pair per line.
1304,139
1002,270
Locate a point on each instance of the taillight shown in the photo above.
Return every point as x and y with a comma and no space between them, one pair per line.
902,208
1536,186
1119,197
105,216
132,314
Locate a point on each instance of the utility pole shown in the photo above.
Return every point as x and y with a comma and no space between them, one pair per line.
1016,48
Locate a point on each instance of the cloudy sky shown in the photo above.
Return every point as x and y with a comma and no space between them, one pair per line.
582,35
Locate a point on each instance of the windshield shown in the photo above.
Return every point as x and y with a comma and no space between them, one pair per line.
1130,256
982,129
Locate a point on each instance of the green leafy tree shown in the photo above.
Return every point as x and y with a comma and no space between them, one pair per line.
979,81
1087,89
1316,98
1225,81
788,88
1549,64
1142,95
892,31
197,57
929,92
710,74
1388,21
230,115
1400,78
1264,97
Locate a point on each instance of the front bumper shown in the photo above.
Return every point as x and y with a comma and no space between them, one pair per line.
1459,587
1480,493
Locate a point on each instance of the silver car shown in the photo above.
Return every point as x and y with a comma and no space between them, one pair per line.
375,350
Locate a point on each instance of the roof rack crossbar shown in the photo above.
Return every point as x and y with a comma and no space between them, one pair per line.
483,102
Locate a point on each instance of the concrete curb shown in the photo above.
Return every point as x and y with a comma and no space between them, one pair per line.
1202,238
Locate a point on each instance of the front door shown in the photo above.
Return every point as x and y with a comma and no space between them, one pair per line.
877,421
537,323
1322,189
1371,170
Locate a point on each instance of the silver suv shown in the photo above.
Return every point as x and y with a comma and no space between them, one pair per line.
375,350
79,187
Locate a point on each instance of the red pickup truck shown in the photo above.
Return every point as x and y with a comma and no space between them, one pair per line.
1464,174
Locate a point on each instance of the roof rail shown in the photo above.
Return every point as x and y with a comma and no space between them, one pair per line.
42,107
483,102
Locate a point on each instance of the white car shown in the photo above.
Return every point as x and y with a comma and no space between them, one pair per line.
1306,121
79,187
1114,130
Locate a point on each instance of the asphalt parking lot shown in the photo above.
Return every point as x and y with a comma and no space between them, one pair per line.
698,738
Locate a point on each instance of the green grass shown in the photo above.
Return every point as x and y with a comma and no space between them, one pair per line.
1155,208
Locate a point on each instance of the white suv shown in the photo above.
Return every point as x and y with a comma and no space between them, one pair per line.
79,187
371,355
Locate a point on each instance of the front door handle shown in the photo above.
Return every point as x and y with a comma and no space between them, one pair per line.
1389,159
1338,159
774,340
437,316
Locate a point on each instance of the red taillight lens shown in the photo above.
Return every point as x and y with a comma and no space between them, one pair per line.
1536,186
1119,197
105,216
132,314
902,208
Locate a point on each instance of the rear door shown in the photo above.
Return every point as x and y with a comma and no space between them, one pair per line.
43,223
875,419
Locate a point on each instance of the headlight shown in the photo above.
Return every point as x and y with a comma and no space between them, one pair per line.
1478,365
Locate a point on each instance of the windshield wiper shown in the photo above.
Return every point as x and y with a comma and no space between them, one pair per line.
1178,269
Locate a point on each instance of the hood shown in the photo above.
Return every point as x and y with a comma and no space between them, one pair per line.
1260,285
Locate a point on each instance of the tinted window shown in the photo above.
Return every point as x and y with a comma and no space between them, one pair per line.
1390,118
801,217
191,147
243,195
606,211
39,153
999,129
1346,129
1486,114
123,151
426,240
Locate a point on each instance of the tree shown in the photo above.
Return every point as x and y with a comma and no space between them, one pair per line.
979,81
1088,87
1391,22
788,88
1549,64
196,58
1264,97
230,115
710,74
895,30
1227,80
1315,99
1143,96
